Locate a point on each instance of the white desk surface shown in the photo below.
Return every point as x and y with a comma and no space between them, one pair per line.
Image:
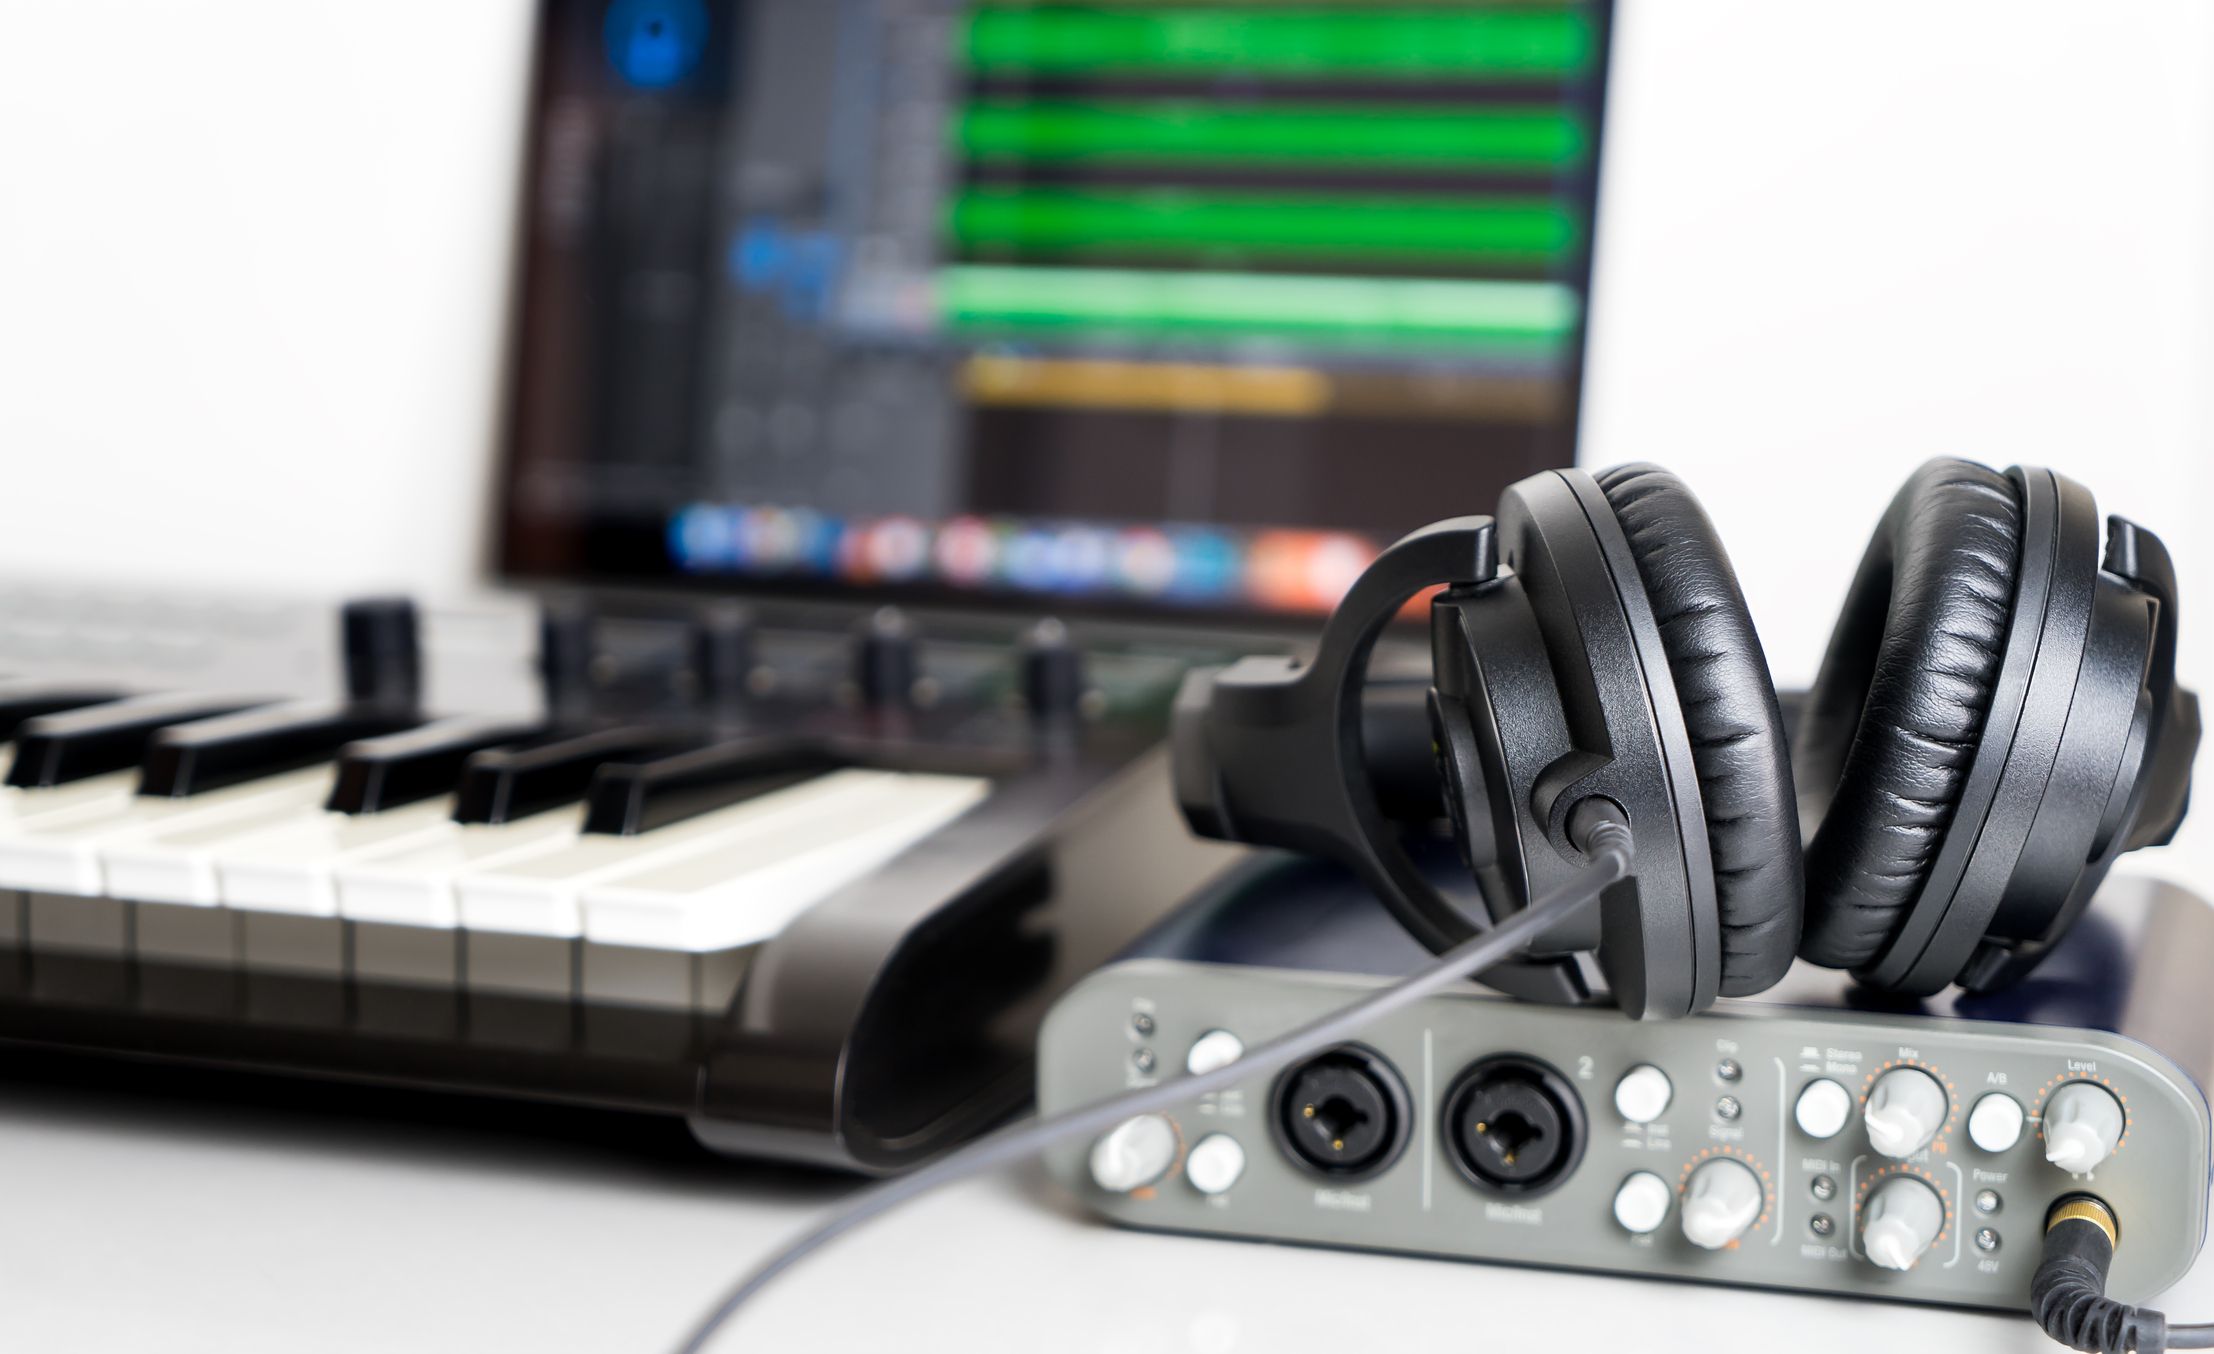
136,1219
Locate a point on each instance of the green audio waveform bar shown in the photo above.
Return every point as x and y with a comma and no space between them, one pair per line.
1382,136
1466,231
1532,320
1500,43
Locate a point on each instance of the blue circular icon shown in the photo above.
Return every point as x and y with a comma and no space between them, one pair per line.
654,43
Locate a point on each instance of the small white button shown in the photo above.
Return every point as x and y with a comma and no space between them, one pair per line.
1642,1093
1995,1124
1905,1109
1215,1048
1823,1108
1134,1153
1215,1163
2082,1123
1642,1203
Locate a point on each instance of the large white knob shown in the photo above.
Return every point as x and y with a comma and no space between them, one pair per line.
1906,1107
1902,1218
1642,1203
1642,1094
1134,1153
1823,1108
1721,1201
2082,1124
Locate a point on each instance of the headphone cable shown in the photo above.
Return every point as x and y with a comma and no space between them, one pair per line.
1607,842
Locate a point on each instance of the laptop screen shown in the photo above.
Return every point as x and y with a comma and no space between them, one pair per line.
1132,305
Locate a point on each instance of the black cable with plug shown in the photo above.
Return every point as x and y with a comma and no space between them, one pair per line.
2068,1293
1604,837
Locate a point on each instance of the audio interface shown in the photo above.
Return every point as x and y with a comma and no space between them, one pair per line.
1899,1154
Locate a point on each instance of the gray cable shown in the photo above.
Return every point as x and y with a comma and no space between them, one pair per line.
1611,854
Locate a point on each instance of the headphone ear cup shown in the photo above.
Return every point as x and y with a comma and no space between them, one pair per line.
1730,712
1892,723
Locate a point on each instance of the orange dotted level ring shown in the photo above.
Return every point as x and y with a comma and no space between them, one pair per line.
1767,1185
1944,1195
1952,1097
2045,1093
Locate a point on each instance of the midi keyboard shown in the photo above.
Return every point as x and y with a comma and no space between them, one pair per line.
809,887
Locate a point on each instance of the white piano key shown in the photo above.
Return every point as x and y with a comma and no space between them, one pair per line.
173,933
271,942
18,803
539,894
412,883
633,976
173,861
749,891
419,956
289,867
66,923
60,852
515,965
623,976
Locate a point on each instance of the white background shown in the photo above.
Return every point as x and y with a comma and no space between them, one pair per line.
254,273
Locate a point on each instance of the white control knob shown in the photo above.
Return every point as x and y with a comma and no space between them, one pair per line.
1215,1163
1995,1124
1823,1108
1134,1153
1642,1094
1215,1048
2082,1124
1642,1203
1906,1107
1902,1218
1721,1201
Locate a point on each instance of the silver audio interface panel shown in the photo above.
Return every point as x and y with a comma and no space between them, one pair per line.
1900,1156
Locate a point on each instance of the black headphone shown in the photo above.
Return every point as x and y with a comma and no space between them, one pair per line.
1996,720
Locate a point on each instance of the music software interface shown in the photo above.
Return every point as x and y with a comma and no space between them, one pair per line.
1132,303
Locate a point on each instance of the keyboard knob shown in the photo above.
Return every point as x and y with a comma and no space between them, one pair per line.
565,652
1052,671
384,665
884,660
722,655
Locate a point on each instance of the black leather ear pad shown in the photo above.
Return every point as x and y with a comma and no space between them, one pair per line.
1730,711
1890,728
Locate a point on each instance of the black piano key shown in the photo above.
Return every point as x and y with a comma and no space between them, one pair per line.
56,749
208,754
630,798
402,768
25,698
503,785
